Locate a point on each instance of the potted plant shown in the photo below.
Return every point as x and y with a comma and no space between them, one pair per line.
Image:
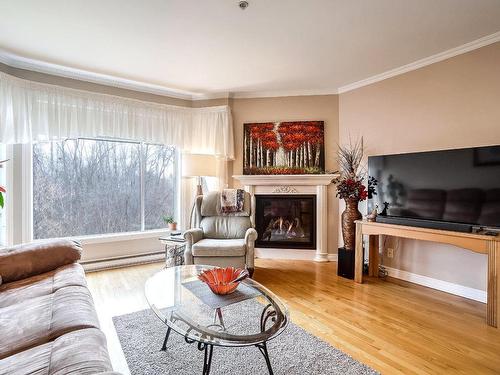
170,221
351,189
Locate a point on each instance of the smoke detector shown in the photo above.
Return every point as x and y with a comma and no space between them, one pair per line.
243,4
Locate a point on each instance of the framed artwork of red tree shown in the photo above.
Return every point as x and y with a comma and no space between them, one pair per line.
296,147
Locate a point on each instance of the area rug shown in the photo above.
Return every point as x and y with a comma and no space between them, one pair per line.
294,352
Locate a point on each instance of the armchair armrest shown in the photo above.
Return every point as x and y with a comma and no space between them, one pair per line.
193,235
25,260
250,238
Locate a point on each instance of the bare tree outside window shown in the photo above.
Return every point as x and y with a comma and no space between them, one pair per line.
94,186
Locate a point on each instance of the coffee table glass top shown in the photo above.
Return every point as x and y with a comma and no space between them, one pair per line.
250,316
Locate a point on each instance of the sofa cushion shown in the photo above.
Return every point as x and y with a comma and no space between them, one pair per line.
219,248
78,352
218,227
36,321
26,260
41,285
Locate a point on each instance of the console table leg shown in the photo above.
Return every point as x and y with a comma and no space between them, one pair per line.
374,256
493,304
358,256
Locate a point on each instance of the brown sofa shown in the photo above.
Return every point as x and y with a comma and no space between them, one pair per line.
48,323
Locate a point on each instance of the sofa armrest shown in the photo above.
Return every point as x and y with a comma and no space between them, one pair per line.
193,235
25,260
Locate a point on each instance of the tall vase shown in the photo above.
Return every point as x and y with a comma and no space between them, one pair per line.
349,216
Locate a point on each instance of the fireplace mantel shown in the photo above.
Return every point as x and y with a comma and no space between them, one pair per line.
316,184
297,179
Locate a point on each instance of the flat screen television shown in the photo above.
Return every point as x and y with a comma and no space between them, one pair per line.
450,189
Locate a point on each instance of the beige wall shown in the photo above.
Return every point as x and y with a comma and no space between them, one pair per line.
450,104
321,108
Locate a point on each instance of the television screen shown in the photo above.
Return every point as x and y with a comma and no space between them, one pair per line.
454,186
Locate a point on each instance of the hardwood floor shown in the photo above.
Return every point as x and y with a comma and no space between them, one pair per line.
394,327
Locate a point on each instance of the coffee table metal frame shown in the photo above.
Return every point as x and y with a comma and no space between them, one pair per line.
270,312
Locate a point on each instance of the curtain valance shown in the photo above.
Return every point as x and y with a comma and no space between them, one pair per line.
32,111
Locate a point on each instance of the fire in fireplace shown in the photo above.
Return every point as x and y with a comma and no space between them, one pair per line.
286,221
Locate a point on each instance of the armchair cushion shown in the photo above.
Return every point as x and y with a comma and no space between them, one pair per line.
219,227
219,248
22,261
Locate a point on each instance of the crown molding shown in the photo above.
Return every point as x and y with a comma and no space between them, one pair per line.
464,48
20,62
281,93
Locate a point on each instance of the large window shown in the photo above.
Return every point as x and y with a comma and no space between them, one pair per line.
95,186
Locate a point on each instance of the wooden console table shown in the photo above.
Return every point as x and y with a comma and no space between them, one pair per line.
478,243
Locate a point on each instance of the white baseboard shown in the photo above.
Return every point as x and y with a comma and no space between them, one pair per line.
103,264
444,286
293,254
333,257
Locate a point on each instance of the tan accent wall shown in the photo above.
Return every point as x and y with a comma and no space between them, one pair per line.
451,104
322,108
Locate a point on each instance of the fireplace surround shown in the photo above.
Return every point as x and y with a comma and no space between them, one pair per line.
290,186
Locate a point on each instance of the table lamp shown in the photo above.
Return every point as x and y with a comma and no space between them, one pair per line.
197,165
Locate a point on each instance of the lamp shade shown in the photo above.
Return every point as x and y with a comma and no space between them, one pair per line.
195,165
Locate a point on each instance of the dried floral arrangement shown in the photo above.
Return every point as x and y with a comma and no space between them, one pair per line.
350,183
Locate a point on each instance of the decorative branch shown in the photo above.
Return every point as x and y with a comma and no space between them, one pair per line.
350,158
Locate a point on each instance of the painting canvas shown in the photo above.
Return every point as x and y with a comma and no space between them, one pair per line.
284,148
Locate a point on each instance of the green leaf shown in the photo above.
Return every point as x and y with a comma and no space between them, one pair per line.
1,200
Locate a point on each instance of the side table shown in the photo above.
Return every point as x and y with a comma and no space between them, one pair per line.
174,250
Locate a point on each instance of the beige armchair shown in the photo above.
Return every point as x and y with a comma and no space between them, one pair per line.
221,240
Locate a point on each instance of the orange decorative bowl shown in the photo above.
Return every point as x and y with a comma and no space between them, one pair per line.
223,280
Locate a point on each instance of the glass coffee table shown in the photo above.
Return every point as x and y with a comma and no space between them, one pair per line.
251,316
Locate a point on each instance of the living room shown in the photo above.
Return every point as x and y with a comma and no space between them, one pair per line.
250,186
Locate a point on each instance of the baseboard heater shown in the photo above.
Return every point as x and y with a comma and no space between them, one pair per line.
424,223
109,263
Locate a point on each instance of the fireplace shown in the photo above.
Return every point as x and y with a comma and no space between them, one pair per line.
286,221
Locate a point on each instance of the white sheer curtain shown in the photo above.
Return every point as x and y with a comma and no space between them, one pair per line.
32,111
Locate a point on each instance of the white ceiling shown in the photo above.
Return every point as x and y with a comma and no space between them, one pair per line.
213,47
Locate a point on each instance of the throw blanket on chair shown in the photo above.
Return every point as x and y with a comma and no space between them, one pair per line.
231,200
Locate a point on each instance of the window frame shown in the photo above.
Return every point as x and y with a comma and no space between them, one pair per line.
26,181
